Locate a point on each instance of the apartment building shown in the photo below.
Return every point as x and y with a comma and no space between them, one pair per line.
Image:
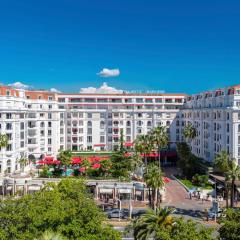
40,123
216,116
31,120
94,121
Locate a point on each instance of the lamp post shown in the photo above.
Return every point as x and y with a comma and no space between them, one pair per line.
120,208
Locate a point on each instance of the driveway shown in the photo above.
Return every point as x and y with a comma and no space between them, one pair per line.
178,197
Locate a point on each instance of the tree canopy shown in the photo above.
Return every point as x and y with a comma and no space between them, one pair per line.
65,208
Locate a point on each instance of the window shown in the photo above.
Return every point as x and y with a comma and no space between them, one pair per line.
89,130
102,139
49,116
49,141
89,139
50,98
8,126
89,115
49,106
102,124
89,124
8,115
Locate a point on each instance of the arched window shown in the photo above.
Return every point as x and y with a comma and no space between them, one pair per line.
89,123
102,124
8,162
128,123
149,123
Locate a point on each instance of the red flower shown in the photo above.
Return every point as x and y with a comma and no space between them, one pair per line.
96,166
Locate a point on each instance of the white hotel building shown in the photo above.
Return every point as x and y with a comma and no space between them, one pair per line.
216,116
40,123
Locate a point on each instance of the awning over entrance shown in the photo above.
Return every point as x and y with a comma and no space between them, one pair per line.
122,190
105,190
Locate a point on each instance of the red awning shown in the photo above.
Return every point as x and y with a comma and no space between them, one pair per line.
128,144
41,162
99,145
76,160
56,162
82,169
162,154
166,179
48,158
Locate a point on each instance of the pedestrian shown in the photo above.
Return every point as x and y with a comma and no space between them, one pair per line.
190,195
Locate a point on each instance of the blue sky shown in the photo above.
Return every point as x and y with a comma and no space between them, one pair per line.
171,45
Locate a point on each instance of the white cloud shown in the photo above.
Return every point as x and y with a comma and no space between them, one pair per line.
102,89
105,72
19,85
54,90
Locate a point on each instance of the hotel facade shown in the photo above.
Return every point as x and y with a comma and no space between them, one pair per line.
40,123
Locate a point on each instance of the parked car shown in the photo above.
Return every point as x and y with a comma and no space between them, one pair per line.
138,213
117,213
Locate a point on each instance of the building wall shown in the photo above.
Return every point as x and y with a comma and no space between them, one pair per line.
42,122
216,116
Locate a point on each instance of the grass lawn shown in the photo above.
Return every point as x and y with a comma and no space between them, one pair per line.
190,185
92,153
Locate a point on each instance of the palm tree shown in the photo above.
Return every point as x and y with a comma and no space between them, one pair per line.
153,177
3,140
189,132
234,174
160,137
49,235
23,162
149,224
227,165
144,145
65,158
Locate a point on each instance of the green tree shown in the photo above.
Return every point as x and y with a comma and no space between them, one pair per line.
230,225
121,165
161,225
65,157
65,208
231,171
121,145
144,144
186,160
49,235
105,166
153,177
189,132
160,138
3,140
188,230
149,224
23,162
